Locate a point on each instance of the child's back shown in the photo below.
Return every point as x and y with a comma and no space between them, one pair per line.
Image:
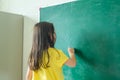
54,71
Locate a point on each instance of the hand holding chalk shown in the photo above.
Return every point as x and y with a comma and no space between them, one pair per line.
71,51
72,60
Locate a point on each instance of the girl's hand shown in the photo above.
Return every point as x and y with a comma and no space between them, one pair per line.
72,60
71,51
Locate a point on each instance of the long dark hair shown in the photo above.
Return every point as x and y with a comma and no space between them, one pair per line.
43,38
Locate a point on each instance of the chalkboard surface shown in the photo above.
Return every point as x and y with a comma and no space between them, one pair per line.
92,27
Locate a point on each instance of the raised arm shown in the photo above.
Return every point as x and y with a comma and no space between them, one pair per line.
71,62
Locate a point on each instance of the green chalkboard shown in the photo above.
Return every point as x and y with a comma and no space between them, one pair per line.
92,27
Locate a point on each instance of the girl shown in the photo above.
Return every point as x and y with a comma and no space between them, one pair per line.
45,61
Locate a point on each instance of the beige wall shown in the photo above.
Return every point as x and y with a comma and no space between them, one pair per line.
27,42
15,45
11,45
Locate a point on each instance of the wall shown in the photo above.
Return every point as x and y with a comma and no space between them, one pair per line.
0,5
11,46
27,42
29,8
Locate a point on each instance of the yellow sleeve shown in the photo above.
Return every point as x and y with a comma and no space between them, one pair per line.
62,58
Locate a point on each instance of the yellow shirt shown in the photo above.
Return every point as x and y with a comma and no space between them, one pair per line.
54,72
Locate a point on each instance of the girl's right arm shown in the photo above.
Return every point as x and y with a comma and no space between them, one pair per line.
29,74
72,60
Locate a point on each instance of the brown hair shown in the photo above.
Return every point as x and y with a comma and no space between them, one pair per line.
42,39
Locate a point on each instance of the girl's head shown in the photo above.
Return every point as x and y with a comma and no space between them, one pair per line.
43,38
44,34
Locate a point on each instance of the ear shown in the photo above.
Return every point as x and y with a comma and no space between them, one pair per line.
51,40
54,37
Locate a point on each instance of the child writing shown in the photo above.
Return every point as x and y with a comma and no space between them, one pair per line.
45,61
